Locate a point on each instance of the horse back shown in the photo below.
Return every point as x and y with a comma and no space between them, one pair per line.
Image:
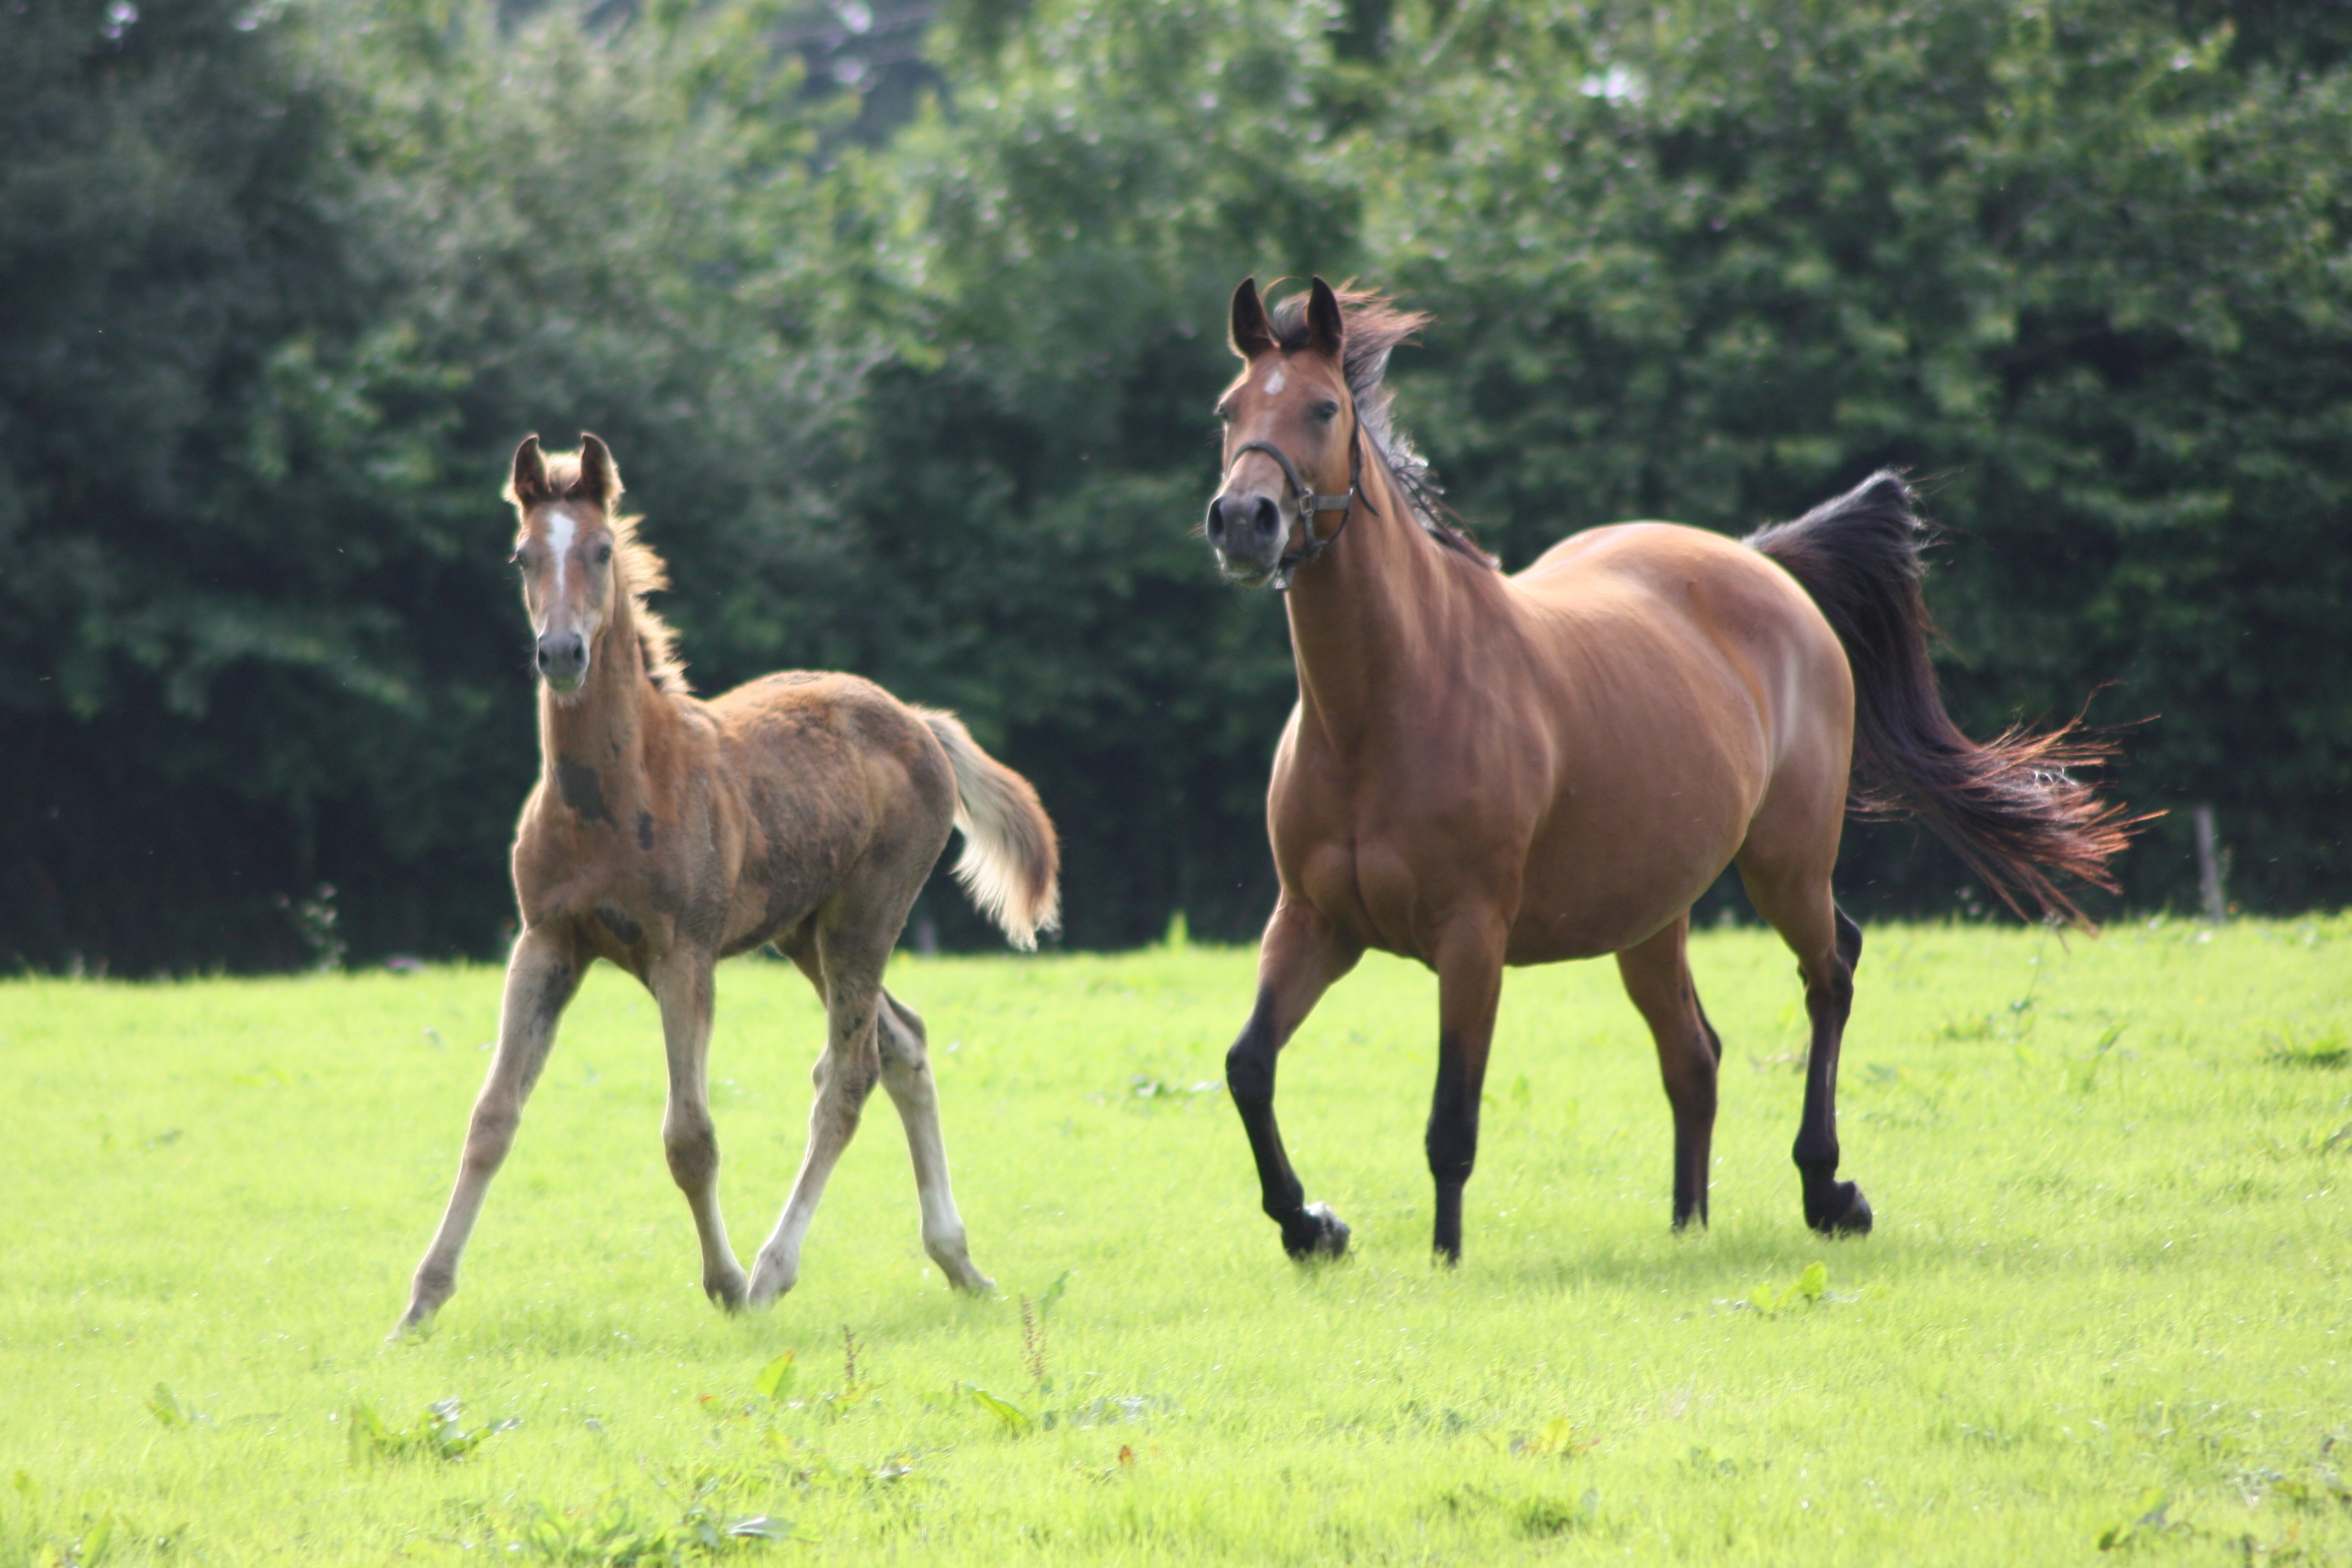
830,775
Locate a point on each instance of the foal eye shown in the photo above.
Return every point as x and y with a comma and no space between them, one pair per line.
1327,409
603,553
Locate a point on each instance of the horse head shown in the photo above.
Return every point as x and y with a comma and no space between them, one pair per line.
564,549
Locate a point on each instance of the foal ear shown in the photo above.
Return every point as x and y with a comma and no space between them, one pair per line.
600,479
1251,334
529,482
1326,329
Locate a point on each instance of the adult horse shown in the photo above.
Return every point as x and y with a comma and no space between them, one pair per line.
1486,769
666,833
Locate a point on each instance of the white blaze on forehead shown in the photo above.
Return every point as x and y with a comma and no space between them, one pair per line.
1274,380
560,526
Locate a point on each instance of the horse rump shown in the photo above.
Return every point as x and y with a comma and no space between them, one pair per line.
2008,807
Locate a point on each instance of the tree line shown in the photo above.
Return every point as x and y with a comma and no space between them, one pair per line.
915,381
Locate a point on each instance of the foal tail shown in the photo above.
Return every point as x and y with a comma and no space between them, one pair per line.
1011,862
2008,807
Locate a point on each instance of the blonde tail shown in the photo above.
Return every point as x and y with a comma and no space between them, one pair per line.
1011,862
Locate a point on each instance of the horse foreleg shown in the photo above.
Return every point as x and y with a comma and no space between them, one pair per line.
542,977
845,1077
907,1074
1657,978
1469,986
1297,961
682,985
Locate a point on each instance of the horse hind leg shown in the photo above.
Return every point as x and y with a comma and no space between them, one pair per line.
907,1074
1657,978
1827,944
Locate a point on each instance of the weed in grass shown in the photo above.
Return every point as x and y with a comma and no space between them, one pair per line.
437,1434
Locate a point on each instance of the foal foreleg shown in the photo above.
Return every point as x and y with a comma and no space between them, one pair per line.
907,1074
1469,987
1297,961
682,983
1657,979
844,1076
542,977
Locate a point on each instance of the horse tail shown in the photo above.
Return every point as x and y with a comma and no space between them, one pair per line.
1011,862
2007,807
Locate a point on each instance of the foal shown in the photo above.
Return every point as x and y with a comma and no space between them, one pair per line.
1485,770
803,810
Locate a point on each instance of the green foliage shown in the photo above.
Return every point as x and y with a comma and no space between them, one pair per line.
280,286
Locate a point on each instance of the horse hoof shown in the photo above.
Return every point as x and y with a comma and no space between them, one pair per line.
1323,1235
1846,1213
769,1280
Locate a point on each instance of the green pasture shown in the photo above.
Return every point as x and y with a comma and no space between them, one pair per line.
2105,1308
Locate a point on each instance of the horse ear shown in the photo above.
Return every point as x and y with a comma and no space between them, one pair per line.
528,481
1326,329
1251,333
600,479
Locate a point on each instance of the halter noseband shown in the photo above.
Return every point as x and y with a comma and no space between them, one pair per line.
1306,504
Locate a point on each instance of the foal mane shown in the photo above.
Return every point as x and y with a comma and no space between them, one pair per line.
1375,327
637,568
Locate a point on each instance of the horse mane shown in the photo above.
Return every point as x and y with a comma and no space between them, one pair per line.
1375,327
641,571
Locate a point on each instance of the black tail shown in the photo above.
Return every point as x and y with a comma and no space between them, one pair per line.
2008,809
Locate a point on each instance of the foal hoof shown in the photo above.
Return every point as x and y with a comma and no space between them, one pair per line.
1847,1212
1321,1234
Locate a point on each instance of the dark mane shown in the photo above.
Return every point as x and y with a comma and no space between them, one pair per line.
641,571
1375,328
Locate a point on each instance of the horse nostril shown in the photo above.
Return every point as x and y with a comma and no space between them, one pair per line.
1216,524
1265,515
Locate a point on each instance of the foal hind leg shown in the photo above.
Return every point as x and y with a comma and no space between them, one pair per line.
846,963
907,1074
1657,977
1827,945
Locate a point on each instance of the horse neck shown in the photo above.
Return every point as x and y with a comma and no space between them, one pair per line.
1366,616
603,727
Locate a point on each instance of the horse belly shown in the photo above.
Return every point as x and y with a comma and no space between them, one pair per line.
1621,856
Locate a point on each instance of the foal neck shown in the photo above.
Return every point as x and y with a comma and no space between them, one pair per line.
592,743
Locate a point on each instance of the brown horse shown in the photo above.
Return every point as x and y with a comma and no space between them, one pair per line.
665,833
1485,770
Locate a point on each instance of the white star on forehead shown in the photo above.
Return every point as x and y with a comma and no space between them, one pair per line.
560,527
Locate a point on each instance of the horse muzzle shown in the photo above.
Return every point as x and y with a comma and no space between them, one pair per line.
564,661
1246,531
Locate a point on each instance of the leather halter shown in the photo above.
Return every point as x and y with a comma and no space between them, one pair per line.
1305,503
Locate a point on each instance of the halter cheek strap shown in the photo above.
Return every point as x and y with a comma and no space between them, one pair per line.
1305,503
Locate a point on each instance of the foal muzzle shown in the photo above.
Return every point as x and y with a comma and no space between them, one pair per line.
564,661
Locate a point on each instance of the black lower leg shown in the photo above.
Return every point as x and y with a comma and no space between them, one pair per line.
1452,1141
1307,1232
1831,1207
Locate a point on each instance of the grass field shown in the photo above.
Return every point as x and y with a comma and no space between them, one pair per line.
2106,1306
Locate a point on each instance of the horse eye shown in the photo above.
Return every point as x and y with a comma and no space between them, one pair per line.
603,554
1326,409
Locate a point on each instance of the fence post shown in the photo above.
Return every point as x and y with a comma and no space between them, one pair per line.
2209,866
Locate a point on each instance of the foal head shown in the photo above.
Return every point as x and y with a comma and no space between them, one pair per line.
1292,397
564,548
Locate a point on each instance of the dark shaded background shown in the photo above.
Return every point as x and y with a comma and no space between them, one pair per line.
905,324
